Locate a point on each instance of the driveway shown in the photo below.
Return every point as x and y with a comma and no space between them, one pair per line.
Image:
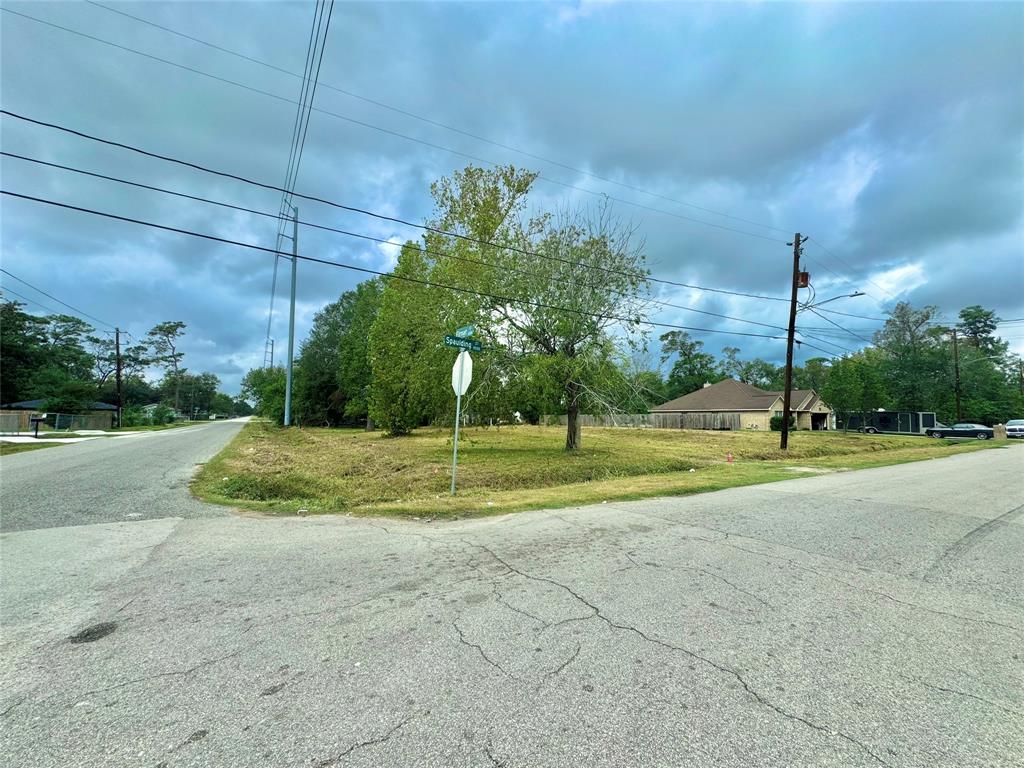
856,619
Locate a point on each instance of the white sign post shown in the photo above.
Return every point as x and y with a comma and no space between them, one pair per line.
462,374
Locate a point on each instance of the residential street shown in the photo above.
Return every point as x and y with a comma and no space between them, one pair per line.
852,619
143,475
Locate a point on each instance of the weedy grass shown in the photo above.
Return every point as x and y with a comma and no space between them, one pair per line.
523,467
6,449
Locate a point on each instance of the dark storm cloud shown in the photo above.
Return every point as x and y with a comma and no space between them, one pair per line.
891,133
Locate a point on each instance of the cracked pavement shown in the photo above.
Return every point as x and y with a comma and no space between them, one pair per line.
853,619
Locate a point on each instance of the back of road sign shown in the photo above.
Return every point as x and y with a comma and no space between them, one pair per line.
462,373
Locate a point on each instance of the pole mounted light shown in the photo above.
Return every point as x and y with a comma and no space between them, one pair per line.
853,295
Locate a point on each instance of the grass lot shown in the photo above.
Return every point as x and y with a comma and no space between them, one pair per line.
159,427
6,449
513,468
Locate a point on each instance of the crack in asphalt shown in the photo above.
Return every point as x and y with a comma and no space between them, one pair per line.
501,599
596,613
965,694
631,556
566,663
18,703
177,673
480,650
363,744
496,762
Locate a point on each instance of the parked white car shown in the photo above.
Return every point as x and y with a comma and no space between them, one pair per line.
1015,429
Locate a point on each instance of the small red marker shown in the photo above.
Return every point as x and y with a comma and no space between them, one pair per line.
728,457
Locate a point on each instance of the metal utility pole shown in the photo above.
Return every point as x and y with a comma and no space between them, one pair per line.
291,322
956,380
117,375
271,353
787,395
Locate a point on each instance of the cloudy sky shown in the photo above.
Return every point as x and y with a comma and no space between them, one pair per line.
889,133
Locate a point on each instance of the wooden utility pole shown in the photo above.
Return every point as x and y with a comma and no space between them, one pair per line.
118,368
956,380
787,395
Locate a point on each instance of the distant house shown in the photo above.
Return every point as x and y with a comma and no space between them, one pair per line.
100,415
731,404
149,410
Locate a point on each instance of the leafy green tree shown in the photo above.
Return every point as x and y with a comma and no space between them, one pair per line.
760,373
61,392
197,391
332,377
241,407
22,350
978,327
164,339
264,387
317,400
65,346
222,405
843,389
135,389
692,369
811,375
731,367
353,367
911,360
560,304
406,354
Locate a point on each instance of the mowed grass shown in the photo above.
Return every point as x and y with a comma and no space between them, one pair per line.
523,467
6,449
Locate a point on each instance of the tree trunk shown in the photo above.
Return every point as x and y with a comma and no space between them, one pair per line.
369,424
572,433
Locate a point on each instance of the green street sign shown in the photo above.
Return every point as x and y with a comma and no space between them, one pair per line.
455,341
465,331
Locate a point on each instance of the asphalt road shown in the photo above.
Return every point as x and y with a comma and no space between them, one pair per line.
144,475
856,619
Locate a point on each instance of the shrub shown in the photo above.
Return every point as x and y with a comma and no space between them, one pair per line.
133,416
776,423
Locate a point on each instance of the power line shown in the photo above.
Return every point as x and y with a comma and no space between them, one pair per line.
51,310
837,325
849,266
362,236
390,132
388,275
302,114
438,124
51,296
281,208
373,214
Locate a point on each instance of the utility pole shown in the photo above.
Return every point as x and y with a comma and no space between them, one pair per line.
956,380
787,395
291,322
117,375
271,353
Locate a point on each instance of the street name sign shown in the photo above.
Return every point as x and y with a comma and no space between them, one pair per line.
468,344
465,331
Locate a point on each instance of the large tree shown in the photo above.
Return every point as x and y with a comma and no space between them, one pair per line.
22,350
164,339
406,355
353,364
559,297
692,368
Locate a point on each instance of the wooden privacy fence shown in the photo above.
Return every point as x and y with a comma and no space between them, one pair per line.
655,420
